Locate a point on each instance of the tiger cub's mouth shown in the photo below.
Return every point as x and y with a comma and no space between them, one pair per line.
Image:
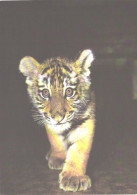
58,121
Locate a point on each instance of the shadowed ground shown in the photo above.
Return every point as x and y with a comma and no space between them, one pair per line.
29,175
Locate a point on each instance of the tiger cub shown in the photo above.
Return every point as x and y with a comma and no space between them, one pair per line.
63,97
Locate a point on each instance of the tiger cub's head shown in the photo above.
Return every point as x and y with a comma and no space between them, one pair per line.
59,88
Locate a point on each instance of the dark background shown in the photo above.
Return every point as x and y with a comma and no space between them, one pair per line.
64,28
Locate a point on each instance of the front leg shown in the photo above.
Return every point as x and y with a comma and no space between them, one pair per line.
72,177
57,154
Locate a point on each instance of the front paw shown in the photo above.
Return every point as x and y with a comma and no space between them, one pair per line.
55,160
74,183
55,163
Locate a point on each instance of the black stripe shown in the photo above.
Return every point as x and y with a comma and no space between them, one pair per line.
69,144
38,103
74,125
38,85
73,84
40,90
41,85
45,70
79,122
40,107
37,99
67,68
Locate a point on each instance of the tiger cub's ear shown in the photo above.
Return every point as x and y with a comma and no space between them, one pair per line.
84,61
29,67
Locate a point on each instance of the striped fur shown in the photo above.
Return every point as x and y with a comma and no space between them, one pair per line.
64,103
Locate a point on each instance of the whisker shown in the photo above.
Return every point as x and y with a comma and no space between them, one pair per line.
37,116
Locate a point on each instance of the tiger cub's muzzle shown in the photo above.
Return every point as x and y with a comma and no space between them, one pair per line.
59,118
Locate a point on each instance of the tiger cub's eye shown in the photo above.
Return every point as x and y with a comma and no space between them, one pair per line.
69,92
45,93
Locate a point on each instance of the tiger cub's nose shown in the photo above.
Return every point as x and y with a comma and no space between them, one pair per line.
58,117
